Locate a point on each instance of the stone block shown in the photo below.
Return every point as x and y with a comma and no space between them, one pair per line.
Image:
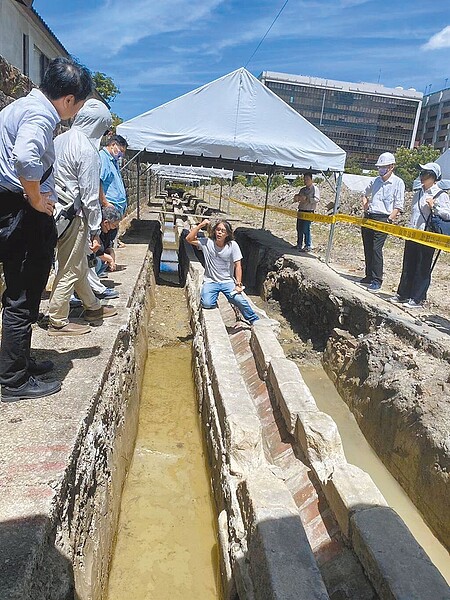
350,489
239,422
319,438
290,392
265,347
282,564
396,564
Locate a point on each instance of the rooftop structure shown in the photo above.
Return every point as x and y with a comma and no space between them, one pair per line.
26,41
365,119
434,123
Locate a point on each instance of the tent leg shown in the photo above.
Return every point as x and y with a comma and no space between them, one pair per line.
220,197
269,181
337,202
138,188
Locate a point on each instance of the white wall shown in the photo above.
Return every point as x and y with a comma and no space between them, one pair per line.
14,22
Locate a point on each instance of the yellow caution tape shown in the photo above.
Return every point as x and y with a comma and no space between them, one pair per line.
435,240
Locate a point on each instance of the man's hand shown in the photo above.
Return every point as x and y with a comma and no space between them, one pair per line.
204,223
94,244
42,203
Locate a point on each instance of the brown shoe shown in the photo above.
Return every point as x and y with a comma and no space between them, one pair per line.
69,329
102,313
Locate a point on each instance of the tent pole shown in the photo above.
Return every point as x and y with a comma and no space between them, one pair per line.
337,202
204,187
229,196
220,197
269,180
138,187
131,160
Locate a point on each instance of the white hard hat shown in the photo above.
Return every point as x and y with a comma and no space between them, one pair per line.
385,159
433,167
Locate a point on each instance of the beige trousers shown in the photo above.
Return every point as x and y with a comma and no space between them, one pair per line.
71,274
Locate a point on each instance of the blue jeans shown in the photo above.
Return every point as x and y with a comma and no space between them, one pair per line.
303,230
211,290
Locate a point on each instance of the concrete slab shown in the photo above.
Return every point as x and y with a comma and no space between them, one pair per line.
290,391
396,564
282,564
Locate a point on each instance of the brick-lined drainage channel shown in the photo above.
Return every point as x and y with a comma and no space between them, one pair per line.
357,449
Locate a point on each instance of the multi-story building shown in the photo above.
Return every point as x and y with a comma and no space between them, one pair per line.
26,42
434,123
365,119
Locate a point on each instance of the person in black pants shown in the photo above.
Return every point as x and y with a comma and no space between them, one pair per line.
27,227
417,258
383,201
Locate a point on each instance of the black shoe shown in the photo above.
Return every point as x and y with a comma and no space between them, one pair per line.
41,367
33,388
366,280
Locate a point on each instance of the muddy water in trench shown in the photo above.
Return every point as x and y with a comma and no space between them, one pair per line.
357,449
166,542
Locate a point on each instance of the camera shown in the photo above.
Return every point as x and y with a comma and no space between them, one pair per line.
92,260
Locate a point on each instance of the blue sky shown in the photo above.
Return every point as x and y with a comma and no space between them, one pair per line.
156,50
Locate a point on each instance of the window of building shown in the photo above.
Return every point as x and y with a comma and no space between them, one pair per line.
26,54
43,64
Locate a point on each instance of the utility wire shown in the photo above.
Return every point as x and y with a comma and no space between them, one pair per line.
266,34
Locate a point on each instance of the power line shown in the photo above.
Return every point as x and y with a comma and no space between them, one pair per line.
266,34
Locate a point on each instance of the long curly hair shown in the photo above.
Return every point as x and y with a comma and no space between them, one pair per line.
229,229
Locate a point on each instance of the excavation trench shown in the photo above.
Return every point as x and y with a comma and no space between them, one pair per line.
391,370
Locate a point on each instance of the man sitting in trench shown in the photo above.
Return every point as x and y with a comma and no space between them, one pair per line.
223,268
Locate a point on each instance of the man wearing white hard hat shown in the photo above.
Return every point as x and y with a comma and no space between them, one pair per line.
429,199
383,201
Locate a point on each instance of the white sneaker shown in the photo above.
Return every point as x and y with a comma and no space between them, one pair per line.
398,299
412,304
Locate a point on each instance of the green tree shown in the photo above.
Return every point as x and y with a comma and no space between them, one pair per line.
116,120
240,179
353,166
105,86
407,162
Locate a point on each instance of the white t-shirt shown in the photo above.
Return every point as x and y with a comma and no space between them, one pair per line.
219,262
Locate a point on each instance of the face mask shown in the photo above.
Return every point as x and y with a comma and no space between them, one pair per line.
119,154
382,171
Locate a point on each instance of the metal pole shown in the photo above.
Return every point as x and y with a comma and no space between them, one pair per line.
138,187
337,202
204,189
229,195
220,197
269,179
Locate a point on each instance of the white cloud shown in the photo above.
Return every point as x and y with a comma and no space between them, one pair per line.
439,40
113,26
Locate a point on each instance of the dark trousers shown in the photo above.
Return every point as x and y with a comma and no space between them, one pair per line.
416,271
26,267
373,242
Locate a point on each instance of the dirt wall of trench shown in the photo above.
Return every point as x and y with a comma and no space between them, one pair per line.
392,370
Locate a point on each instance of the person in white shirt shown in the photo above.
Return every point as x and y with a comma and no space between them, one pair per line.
77,179
383,201
417,258
223,268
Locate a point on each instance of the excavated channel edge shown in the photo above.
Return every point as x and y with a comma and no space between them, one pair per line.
64,458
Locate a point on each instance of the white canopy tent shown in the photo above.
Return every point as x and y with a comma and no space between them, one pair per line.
190,172
236,123
444,162
356,183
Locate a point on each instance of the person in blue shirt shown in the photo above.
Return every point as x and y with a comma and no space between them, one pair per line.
27,194
112,183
